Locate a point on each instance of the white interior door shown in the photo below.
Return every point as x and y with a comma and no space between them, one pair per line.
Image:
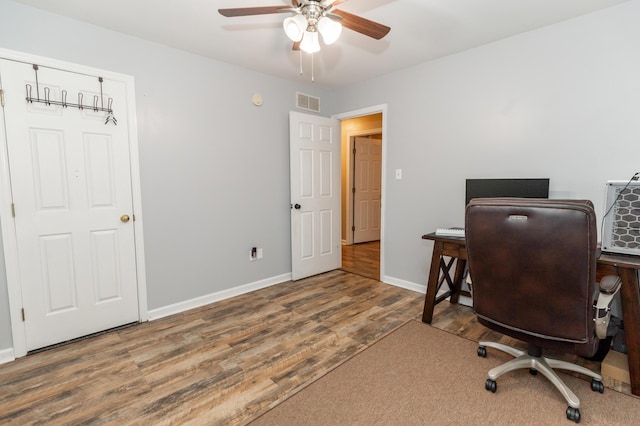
71,186
315,194
367,184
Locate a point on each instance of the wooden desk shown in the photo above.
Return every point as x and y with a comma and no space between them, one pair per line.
625,266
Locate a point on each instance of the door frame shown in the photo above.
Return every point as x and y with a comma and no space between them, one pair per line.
9,238
349,199
376,109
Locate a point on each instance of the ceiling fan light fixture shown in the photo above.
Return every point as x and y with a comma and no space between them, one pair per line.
329,29
295,27
310,42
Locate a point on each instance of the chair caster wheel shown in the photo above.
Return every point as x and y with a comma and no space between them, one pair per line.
597,386
491,385
533,371
482,351
573,414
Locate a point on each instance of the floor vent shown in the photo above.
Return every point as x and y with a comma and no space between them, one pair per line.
308,102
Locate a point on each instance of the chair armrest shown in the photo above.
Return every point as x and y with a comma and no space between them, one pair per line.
609,286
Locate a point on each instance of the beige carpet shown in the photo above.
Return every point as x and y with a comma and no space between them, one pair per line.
419,375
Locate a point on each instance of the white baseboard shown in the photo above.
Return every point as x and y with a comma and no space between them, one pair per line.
216,297
466,301
7,355
422,288
419,288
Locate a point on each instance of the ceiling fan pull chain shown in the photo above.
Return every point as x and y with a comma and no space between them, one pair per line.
301,72
312,73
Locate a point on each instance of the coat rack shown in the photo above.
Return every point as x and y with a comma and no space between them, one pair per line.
63,102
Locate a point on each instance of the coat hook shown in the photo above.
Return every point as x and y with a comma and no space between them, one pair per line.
110,116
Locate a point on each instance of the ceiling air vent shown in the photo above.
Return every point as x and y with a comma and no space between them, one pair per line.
308,102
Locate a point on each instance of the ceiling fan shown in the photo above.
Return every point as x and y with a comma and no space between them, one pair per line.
312,17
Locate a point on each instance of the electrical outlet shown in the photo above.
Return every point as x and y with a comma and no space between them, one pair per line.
259,253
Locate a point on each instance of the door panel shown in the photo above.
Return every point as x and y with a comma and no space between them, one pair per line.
98,163
58,276
315,190
49,167
71,182
326,229
105,259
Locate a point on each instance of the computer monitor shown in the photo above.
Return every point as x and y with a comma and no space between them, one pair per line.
519,188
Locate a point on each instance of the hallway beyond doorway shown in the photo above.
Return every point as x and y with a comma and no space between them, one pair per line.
362,259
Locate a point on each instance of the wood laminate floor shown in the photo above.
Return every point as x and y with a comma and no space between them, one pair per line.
219,364
223,363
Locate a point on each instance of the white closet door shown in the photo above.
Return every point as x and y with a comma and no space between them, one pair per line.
71,183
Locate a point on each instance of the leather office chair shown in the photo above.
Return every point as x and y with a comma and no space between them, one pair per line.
533,270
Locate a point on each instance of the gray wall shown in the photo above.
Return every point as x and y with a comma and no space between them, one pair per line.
214,168
561,102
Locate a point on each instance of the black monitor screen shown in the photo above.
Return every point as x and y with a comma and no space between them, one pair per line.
520,188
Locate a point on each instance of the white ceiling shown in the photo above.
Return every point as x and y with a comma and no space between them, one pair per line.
421,30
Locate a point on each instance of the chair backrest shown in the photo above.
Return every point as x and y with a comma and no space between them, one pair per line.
533,266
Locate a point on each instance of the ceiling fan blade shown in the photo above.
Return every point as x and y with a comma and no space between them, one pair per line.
362,25
296,45
247,11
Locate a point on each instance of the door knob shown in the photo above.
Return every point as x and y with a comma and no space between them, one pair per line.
297,206
124,218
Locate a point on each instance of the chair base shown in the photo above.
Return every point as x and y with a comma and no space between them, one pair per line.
545,366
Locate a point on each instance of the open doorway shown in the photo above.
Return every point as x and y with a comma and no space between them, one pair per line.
361,194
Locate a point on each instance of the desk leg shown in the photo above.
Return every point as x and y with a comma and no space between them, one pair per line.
630,297
457,280
432,283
